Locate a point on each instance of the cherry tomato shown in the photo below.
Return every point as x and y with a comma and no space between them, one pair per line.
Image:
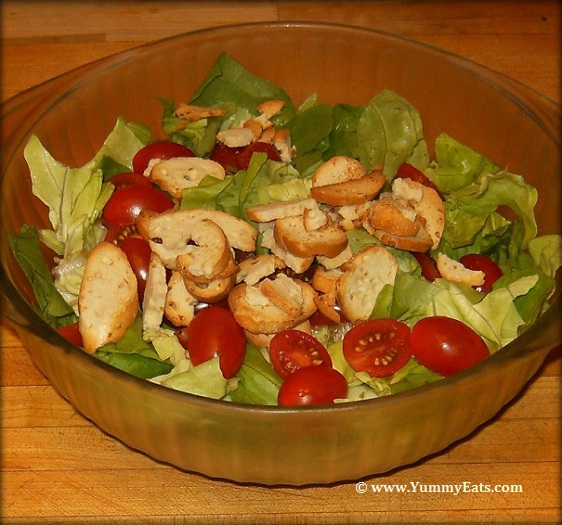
428,265
137,251
478,262
312,385
71,332
291,350
159,150
125,204
122,180
245,155
214,332
407,171
379,347
318,320
227,157
445,345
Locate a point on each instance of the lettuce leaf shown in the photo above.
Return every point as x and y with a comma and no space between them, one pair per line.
468,210
75,198
390,132
229,81
259,383
457,165
26,248
205,380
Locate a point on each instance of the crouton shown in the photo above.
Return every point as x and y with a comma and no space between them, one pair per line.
108,299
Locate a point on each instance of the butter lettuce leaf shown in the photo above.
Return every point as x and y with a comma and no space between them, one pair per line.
229,81
390,132
26,248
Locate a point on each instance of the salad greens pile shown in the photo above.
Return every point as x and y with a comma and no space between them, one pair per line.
388,131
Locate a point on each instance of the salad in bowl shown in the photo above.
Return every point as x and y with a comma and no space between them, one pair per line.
262,252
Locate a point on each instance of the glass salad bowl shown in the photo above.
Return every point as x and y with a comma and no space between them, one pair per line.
72,114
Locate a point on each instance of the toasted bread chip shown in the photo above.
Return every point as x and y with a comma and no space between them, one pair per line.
104,317
176,174
285,293
277,210
180,304
236,137
194,113
254,269
364,277
326,304
208,254
290,233
331,263
297,264
170,233
269,108
455,271
211,292
427,203
394,216
355,191
325,280
338,169
255,312
421,242
154,296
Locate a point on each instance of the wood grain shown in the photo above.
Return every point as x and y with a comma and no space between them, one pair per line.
59,468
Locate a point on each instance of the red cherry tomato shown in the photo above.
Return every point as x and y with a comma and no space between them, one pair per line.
291,350
428,265
445,345
245,155
407,171
159,150
125,204
318,320
379,347
122,180
312,385
478,262
137,251
71,332
214,332
227,157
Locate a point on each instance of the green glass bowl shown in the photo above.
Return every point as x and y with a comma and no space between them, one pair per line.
72,115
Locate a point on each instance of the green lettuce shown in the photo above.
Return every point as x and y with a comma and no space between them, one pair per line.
229,81
205,380
390,132
258,382
26,248
457,165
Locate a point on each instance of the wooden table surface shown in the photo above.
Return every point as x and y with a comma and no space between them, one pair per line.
59,468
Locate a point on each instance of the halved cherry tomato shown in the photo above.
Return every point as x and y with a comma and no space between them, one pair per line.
125,204
379,347
122,180
214,332
407,171
428,265
446,345
479,262
312,385
291,350
226,156
159,150
71,332
245,155
137,251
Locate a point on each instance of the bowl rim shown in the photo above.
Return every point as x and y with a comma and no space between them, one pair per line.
82,75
